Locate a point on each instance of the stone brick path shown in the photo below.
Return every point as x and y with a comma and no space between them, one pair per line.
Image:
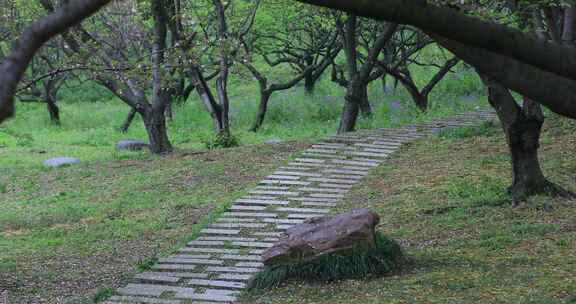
216,266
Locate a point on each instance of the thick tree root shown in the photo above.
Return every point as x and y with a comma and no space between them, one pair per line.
520,193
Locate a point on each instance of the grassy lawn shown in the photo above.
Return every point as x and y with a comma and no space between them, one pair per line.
68,232
442,200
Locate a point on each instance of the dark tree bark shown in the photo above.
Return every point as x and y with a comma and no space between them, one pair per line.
13,67
155,123
53,109
128,121
522,127
262,110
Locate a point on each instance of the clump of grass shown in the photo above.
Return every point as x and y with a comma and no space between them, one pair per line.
103,295
385,257
486,129
146,264
222,141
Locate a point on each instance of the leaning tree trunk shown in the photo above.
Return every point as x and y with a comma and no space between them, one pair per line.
128,121
155,123
522,127
262,109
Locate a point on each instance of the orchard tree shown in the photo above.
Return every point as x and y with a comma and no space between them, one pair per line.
360,68
16,62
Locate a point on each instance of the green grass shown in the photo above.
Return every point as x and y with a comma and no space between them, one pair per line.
95,222
383,258
443,200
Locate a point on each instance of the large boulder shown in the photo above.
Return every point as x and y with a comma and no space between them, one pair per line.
131,145
60,162
324,235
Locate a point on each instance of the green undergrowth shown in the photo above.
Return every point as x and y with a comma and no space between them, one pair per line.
383,258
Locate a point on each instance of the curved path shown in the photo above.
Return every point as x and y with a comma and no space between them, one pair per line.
215,267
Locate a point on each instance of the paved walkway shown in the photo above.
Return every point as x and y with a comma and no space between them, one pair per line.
215,267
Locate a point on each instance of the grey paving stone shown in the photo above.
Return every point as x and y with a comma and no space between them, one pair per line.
250,208
310,160
338,186
267,233
129,299
304,210
179,267
281,193
352,162
190,261
380,146
235,220
324,190
315,199
250,214
361,172
322,151
205,243
210,250
327,195
295,164
191,256
237,257
215,283
284,182
283,221
257,251
333,180
249,264
156,277
253,244
178,274
261,202
231,269
220,231
296,174
369,154
272,188
226,238
325,156
319,204
354,178
234,276
279,176
304,215
237,225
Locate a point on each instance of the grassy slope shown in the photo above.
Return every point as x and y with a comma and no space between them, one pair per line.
74,230
68,232
442,198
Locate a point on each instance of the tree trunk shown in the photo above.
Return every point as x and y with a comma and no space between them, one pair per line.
155,123
522,127
262,109
128,121
309,82
354,98
365,107
53,109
